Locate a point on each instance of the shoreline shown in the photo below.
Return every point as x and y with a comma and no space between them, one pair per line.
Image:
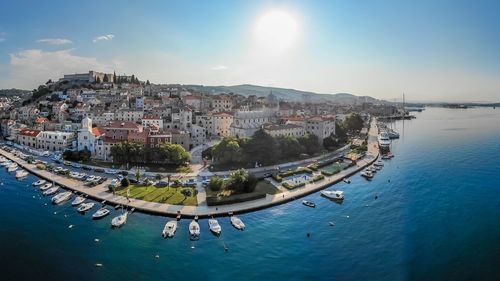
100,192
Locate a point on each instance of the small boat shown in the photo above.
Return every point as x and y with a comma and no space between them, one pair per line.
308,204
379,163
372,169
11,169
46,186
101,213
39,182
333,194
346,180
386,157
214,226
85,207
51,190
21,174
367,174
120,220
194,230
169,229
61,197
237,223
78,200
6,163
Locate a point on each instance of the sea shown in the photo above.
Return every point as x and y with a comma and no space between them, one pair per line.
431,213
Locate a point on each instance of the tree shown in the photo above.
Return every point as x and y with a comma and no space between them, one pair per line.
227,151
330,142
105,79
353,123
137,175
310,144
216,183
289,147
98,80
147,82
132,80
261,148
114,77
125,182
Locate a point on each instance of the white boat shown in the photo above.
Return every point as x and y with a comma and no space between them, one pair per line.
308,204
367,174
379,163
384,140
346,180
214,226
21,174
169,229
51,190
61,197
6,163
85,207
12,168
102,212
39,182
120,220
46,186
237,223
78,200
333,194
194,230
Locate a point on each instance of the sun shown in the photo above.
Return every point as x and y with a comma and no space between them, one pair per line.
276,31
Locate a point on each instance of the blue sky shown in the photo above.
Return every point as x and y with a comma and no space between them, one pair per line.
431,50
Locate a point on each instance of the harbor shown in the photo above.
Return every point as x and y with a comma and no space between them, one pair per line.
101,192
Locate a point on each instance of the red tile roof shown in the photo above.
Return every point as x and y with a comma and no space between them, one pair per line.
96,131
29,132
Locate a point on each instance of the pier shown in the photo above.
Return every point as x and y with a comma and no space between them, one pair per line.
101,191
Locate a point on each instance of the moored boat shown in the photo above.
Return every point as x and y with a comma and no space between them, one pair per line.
194,230
379,163
367,174
333,194
170,229
120,220
309,204
21,174
46,186
51,190
101,213
61,197
78,200
12,168
85,207
39,182
346,180
237,223
384,140
214,226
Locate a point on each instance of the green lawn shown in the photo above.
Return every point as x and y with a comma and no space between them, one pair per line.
262,187
332,168
169,195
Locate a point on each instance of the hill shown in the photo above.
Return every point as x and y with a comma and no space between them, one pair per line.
14,92
282,93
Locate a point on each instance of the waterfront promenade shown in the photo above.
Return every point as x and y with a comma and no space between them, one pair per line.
101,193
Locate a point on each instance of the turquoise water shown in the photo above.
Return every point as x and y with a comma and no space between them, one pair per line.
437,217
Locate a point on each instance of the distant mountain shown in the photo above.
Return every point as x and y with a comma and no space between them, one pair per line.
14,92
282,93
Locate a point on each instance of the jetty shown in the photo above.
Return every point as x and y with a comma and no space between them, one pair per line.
101,192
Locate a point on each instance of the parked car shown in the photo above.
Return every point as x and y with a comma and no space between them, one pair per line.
123,173
87,168
99,170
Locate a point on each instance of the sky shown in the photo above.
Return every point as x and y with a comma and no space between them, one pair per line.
431,50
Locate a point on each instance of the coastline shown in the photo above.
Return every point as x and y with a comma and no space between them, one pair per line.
100,192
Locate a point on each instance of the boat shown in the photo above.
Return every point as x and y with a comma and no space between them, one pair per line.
21,174
237,223
51,190
333,194
194,230
367,174
120,220
309,204
6,163
169,229
61,197
371,169
214,226
384,140
39,182
346,180
379,163
78,200
386,157
101,213
46,186
12,168
85,207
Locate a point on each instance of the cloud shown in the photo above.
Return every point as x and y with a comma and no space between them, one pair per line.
55,41
30,68
107,37
219,67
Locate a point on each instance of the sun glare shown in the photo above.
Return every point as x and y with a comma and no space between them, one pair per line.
276,30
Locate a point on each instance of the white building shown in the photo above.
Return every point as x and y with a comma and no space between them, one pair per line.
321,126
246,123
129,115
88,137
290,130
155,120
55,140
